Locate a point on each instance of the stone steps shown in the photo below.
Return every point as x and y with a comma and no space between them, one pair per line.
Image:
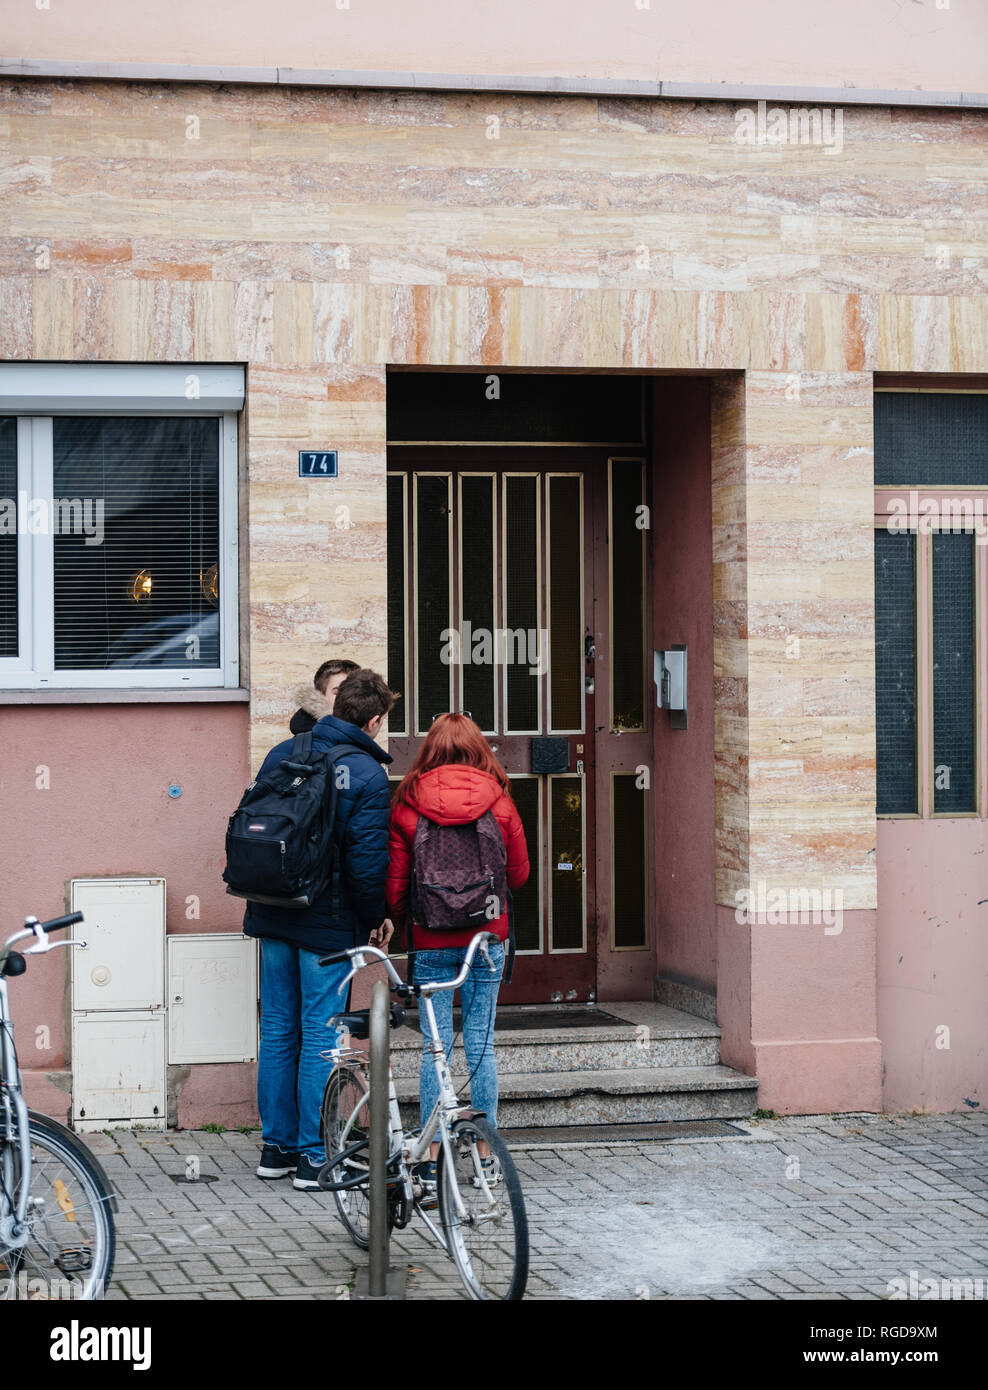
655,1063
628,1095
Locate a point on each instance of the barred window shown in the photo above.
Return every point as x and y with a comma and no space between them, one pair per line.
931,542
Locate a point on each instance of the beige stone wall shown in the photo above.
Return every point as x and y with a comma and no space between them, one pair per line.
320,235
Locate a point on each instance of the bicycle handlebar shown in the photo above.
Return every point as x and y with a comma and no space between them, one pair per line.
57,923
355,954
40,930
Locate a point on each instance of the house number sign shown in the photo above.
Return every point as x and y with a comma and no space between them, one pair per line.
317,463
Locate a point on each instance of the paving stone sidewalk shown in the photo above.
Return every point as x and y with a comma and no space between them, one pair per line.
827,1207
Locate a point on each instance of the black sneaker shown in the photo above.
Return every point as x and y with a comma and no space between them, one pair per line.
276,1162
307,1173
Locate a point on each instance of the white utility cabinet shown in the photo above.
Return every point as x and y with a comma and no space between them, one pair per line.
118,1003
122,966
212,997
118,1070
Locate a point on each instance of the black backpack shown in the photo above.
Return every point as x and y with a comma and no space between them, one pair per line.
280,847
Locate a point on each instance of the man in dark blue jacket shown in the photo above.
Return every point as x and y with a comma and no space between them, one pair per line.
298,995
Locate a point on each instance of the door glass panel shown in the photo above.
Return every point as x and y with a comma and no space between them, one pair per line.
397,624
477,598
8,538
521,603
953,672
627,556
629,860
895,670
566,863
565,543
528,898
432,597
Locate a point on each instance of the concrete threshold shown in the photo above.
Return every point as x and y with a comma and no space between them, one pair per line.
613,1135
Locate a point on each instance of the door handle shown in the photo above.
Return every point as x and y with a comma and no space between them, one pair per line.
579,767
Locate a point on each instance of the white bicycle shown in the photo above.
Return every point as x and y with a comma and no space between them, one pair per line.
484,1229
56,1203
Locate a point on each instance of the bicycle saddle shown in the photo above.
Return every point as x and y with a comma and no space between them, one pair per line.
357,1022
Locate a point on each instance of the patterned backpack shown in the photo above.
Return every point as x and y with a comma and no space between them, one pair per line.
460,877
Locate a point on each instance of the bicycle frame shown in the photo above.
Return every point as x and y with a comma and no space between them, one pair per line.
448,1106
14,1229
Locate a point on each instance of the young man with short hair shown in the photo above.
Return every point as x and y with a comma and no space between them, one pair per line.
298,995
315,701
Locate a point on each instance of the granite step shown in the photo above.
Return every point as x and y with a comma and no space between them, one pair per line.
634,1035
613,1096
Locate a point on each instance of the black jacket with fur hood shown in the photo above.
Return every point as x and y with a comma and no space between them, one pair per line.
313,706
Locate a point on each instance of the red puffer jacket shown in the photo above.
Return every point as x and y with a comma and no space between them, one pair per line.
453,794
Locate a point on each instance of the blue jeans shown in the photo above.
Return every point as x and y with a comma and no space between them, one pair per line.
478,998
298,997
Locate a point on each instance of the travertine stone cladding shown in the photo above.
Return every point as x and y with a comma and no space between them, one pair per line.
320,235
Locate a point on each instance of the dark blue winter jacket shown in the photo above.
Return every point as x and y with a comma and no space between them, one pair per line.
360,831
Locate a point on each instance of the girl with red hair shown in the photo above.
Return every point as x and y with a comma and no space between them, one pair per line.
454,780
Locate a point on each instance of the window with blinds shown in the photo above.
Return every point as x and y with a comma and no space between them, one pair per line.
144,592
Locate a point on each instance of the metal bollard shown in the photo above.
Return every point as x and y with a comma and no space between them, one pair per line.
380,1028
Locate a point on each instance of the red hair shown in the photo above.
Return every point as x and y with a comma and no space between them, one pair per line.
453,738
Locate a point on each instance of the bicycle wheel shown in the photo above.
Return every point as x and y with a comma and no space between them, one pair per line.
72,1243
490,1244
344,1123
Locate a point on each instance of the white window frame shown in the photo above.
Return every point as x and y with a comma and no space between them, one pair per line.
35,393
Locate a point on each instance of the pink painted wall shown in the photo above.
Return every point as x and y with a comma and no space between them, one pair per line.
933,962
686,925
107,813
797,1009
877,44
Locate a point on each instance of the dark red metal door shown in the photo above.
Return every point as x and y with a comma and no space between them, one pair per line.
501,602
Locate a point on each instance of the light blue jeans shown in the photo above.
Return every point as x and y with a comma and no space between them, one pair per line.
478,999
298,997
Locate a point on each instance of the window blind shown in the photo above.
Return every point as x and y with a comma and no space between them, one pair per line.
137,546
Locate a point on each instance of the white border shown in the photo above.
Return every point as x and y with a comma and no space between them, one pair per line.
38,617
102,388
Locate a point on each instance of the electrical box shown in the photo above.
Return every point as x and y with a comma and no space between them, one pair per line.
212,998
122,965
118,1070
669,672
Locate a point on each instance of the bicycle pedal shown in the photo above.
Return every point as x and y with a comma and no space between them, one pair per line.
75,1259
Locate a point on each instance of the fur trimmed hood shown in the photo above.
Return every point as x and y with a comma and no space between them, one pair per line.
315,704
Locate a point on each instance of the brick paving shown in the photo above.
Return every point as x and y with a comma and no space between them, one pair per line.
828,1207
